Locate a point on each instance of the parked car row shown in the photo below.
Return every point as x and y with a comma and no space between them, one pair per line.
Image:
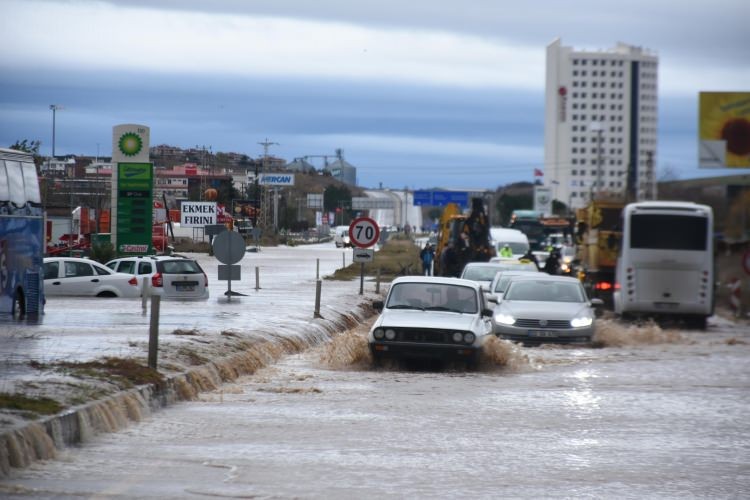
171,277
451,318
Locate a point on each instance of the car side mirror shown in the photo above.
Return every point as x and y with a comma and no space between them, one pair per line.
597,302
378,305
487,313
493,299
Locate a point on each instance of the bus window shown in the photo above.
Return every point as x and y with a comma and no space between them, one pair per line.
31,183
684,232
17,195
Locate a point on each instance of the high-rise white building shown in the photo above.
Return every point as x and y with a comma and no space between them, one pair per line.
600,123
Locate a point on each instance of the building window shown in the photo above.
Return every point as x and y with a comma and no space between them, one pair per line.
574,171
574,161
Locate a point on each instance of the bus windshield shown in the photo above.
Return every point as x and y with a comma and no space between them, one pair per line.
685,232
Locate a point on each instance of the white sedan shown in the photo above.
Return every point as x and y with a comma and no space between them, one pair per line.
431,317
87,278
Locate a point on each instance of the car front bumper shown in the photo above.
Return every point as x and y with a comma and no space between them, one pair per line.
541,336
384,349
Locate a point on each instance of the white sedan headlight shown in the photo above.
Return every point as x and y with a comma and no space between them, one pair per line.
579,322
390,334
505,319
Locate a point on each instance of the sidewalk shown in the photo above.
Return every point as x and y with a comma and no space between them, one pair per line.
201,345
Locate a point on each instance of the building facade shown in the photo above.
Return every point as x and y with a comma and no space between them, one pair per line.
600,126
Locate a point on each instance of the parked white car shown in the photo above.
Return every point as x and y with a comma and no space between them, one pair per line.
170,276
85,277
431,317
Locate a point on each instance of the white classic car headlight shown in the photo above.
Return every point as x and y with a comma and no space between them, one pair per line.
390,334
469,338
505,319
457,336
579,322
378,333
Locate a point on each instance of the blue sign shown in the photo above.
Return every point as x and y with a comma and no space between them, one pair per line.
441,198
422,198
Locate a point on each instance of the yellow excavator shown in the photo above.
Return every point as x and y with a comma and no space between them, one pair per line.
462,238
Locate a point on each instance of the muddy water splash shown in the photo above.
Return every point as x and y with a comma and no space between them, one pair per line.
348,350
24,446
503,354
351,350
610,333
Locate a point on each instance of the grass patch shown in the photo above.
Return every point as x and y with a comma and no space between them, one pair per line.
396,258
124,372
32,406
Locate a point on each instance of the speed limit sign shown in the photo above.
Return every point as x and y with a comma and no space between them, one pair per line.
364,232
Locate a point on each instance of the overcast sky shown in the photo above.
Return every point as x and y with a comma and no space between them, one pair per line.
418,93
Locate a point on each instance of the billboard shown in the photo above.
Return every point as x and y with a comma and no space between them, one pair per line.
134,207
276,180
130,143
724,130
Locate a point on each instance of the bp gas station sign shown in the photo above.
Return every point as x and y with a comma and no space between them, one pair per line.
132,190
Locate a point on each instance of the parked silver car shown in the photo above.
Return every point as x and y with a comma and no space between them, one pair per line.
431,317
544,308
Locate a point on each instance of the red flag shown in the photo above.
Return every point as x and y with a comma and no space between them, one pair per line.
538,173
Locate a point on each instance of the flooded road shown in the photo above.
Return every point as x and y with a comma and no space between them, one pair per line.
651,414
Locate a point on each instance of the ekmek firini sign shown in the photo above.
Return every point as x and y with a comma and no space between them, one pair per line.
197,213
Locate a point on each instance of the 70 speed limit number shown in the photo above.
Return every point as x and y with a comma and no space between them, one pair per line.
364,232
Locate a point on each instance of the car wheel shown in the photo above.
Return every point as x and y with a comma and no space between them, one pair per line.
106,294
18,308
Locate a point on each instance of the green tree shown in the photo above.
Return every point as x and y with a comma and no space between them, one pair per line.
26,145
506,203
338,199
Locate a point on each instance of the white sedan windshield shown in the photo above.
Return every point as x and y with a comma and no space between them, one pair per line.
434,297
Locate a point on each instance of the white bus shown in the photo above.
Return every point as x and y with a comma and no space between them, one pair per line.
665,266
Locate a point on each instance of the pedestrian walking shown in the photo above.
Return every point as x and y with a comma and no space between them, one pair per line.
427,255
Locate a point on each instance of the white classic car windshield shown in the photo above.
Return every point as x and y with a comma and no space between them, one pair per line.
433,296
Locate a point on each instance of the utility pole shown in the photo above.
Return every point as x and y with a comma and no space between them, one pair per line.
54,108
265,209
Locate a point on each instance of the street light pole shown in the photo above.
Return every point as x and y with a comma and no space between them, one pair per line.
54,108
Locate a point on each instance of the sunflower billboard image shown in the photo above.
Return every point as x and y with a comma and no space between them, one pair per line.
724,130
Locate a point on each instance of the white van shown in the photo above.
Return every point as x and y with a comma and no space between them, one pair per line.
516,240
341,237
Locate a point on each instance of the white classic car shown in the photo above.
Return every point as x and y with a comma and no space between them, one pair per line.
431,317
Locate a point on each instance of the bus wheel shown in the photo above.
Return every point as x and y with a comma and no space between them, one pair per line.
18,309
697,322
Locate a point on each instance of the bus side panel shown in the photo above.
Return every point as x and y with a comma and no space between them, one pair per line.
21,262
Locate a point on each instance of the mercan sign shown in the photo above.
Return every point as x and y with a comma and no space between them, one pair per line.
276,180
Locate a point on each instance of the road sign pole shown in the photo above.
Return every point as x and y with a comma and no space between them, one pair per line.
361,278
